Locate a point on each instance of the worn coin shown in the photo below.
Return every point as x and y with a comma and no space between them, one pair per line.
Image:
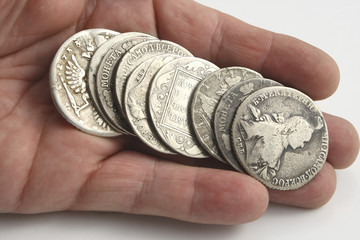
207,96
102,69
280,137
136,92
137,55
169,102
68,81
225,113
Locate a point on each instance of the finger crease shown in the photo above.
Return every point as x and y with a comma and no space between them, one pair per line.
88,11
268,45
13,15
217,37
145,188
155,18
85,184
192,195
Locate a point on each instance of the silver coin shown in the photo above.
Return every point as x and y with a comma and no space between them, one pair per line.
68,81
102,69
136,92
169,102
137,55
207,96
225,113
280,137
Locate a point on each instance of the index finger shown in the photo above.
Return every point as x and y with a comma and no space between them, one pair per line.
227,41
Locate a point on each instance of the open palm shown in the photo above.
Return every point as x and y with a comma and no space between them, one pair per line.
48,165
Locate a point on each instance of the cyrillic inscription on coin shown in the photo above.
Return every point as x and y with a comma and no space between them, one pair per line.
280,137
68,81
136,92
111,54
169,103
207,96
136,56
225,113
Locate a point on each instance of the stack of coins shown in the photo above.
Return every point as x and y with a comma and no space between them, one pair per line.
109,84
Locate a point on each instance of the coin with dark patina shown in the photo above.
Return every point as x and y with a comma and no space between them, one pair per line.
280,137
225,113
207,96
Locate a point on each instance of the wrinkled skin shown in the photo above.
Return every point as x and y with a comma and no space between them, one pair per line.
48,165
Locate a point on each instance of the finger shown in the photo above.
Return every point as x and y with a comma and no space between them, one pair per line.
314,194
227,41
135,183
116,15
343,142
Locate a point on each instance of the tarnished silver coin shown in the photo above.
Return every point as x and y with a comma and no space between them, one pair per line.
137,55
68,81
101,71
280,137
170,100
225,113
207,96
136,92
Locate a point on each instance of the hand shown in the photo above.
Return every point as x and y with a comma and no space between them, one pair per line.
48,165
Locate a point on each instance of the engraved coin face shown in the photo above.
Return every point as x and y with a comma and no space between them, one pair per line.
137,55
136,92
225,113
101,71
170,100
207,96
68,81
280,137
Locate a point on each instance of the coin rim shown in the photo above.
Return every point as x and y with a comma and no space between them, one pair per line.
120,125
242,161
119,86
216,154
53,88
233,159
163,148
203,153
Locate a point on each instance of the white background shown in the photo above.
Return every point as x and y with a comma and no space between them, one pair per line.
328,24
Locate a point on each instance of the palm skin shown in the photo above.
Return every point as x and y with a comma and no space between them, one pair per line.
48,165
